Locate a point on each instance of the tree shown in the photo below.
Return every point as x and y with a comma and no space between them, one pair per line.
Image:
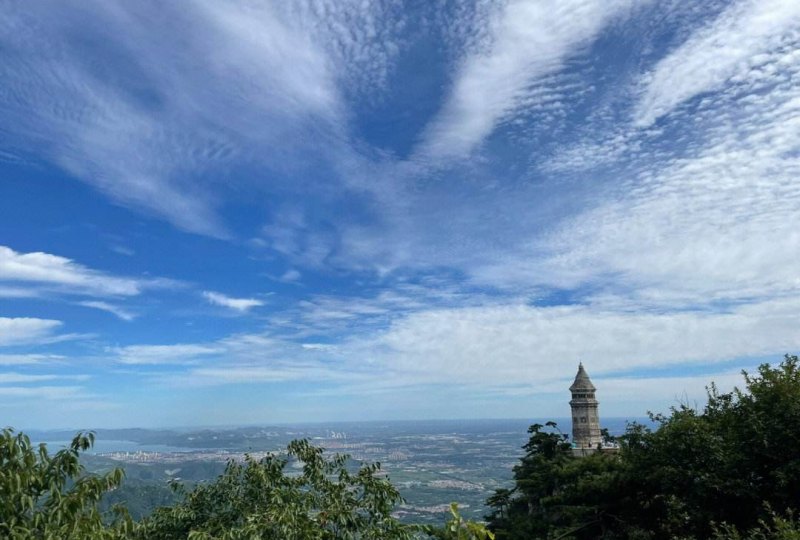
716,471
458,529
258,499
50,496
725,464
523,512
54,498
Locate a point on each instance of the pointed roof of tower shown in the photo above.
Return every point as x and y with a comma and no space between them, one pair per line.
582,381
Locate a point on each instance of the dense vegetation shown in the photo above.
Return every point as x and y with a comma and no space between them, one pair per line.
47,496
730,470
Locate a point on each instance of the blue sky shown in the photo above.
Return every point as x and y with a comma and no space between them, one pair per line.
252,212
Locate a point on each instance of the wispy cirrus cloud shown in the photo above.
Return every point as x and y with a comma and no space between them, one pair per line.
123,314
162,354
526,41
238,358
13,377
18,292
42,392
30,359
144,122
154,129
242,305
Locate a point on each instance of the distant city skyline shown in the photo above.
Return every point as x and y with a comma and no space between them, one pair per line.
254,212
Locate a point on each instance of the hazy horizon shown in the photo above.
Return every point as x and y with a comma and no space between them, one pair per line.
563,421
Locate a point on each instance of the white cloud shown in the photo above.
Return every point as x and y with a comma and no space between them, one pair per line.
716,55
699,230
12,377
111,308
45,268
509,345
239,358
359,39
254,374
290,276
29,359
42,392
25,330
146,124
705,215
497,348
333,315
254,41
238,304
317,346
122,250
619,392
18,292
162,354
526,41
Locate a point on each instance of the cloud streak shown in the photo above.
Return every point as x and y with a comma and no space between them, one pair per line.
161,354
526,41
242,305
30,359
720,53
40,267
49,393
12,377
110,308
67,276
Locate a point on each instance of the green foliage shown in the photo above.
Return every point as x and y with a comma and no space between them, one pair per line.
458,529
139,498
700,473
49,496
555,494
773,528
258,499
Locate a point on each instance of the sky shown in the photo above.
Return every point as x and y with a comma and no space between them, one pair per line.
250,212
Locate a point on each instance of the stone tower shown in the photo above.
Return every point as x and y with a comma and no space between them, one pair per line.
585,420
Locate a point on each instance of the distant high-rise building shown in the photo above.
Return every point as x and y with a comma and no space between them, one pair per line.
585,420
